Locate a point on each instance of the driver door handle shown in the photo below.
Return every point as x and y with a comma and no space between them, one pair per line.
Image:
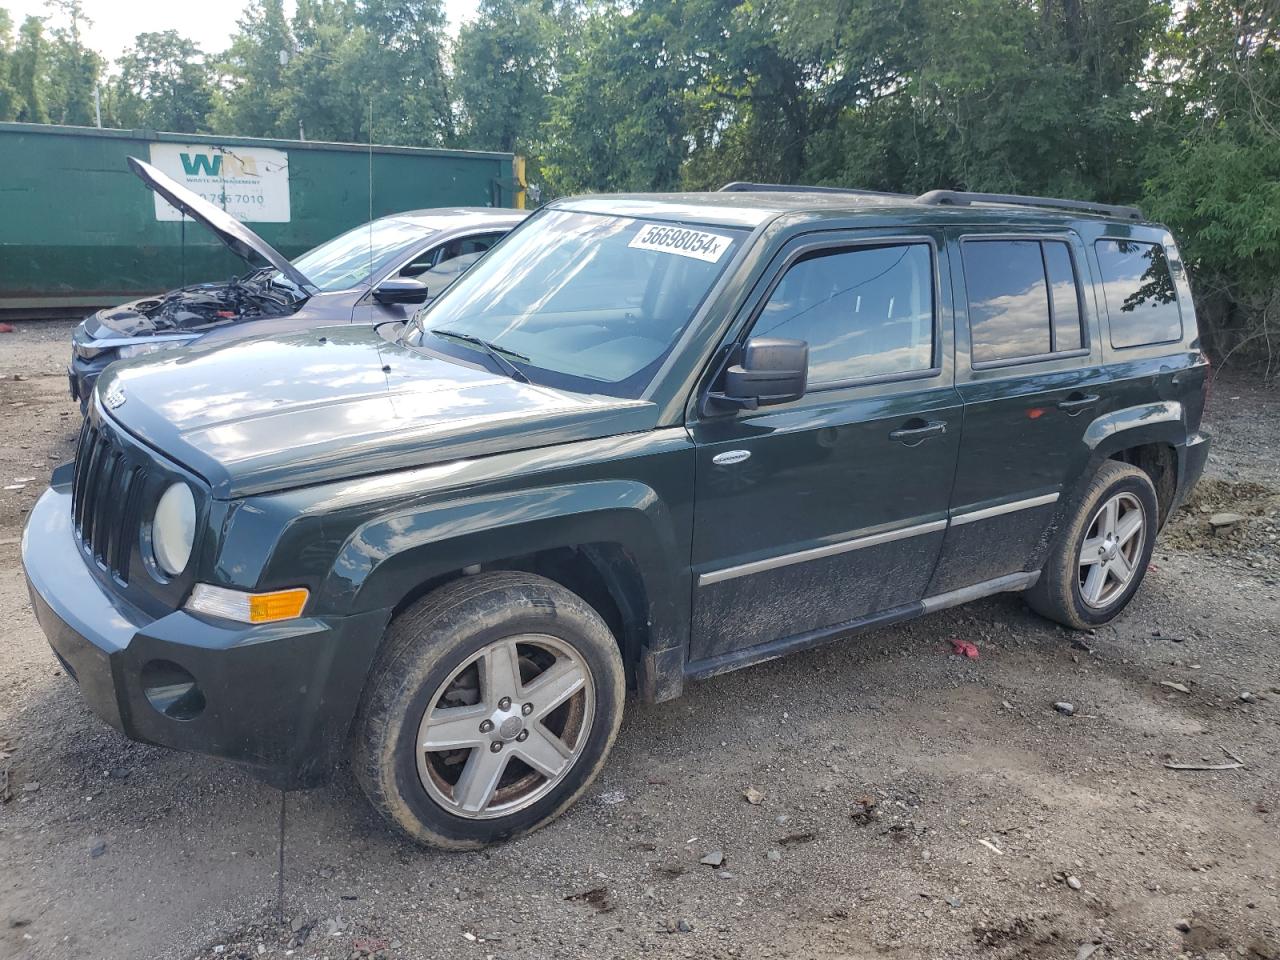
1077,402
915,431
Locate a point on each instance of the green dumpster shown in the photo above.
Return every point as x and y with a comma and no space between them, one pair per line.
79,230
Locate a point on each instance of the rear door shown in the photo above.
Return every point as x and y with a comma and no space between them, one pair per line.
821,513
1029,369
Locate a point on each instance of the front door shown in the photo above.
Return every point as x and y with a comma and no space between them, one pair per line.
827,511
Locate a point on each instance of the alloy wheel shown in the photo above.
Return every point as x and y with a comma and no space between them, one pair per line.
505,727
1112,550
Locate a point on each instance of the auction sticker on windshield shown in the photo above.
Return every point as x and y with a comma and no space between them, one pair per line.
681,241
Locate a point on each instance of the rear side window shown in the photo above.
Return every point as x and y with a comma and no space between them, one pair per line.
864,311
1024,300
1141,301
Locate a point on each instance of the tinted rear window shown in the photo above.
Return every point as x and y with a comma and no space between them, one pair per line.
1142,303
1008,299
1024,301
1064,295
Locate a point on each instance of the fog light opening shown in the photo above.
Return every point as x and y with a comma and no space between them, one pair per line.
172,690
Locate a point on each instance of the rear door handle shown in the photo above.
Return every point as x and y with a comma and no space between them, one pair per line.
911,435
1077,402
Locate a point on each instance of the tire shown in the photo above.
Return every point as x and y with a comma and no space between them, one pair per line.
1067,591
456,645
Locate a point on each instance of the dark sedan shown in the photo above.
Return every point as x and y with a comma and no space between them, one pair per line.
374,273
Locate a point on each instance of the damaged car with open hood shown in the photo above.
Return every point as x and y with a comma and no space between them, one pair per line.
378,272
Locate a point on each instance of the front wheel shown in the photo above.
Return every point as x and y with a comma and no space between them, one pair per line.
491,709
1102,554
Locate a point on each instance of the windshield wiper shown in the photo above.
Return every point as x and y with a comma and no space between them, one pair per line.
499,354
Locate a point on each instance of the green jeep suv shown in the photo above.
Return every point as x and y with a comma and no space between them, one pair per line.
647,439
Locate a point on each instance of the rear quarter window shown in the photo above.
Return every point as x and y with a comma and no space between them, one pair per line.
1142,303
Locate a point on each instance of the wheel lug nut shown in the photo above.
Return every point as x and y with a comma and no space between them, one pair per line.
486,726
522,736
504,703
495,746
527,709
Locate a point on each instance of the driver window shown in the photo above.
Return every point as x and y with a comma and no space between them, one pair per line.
454,248
864,311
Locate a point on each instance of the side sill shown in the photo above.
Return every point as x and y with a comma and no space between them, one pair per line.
727,662
1010,583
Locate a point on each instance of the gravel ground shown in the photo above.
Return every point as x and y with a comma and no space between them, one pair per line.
911,803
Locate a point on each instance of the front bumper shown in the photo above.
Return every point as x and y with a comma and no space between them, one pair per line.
83,374
279,698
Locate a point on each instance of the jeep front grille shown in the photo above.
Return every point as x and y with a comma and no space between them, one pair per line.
107,490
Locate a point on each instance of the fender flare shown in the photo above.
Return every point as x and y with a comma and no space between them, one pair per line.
387,558
1146,423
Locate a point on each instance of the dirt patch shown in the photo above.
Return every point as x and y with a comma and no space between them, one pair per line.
913,803
1236,519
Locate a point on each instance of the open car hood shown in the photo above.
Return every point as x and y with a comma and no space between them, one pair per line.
242,241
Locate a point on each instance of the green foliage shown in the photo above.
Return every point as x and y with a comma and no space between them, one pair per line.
26,72
1213,166
163,84
339,67
73,70
9,102
254,70
504,63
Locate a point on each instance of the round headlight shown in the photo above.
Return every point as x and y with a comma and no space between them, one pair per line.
174,529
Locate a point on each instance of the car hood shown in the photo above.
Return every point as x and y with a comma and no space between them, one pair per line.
242,241
336,402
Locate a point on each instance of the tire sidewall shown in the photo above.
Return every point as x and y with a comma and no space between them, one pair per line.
1140,487
518,617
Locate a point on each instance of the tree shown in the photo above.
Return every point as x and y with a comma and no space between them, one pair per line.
26,72
618,114
504,63
9,102
163,84
254,66
326,77
72,70
405,72
1213,166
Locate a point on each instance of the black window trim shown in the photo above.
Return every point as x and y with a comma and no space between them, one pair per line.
1177,298
1086,344
808,247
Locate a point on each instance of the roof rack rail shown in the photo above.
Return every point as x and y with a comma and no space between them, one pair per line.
964,198
743,186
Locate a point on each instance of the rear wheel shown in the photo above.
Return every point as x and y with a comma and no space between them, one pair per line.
1101,556
492,707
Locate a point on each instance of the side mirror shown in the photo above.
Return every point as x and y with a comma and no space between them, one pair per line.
770,370
401,290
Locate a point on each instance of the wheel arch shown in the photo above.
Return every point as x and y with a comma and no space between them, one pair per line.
609,541
1147,436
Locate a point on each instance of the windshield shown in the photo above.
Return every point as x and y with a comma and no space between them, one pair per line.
583,301
348,259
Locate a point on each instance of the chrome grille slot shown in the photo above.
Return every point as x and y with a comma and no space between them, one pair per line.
107,491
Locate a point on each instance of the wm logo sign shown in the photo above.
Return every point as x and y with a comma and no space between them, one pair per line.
218,164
